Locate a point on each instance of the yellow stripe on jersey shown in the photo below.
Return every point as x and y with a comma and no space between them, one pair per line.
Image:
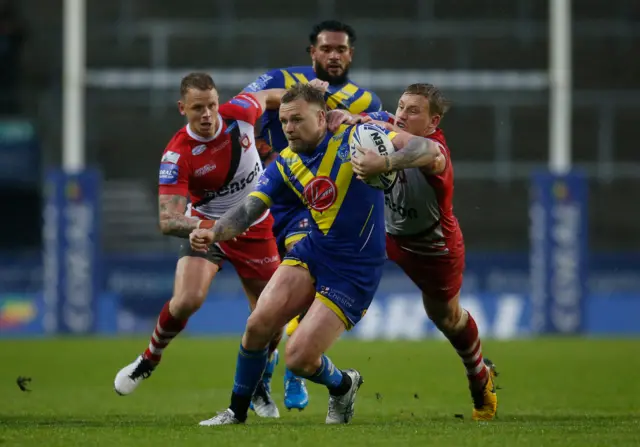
361,104
343,94
288,79
301,78
366,221
262,196
326,218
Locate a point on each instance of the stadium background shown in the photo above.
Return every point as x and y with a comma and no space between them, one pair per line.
99,267
490,57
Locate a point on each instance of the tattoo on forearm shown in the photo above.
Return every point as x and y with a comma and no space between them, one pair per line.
413,155
173,222
235,221
417,153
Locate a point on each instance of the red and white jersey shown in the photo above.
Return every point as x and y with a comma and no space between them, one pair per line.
420,208
199,167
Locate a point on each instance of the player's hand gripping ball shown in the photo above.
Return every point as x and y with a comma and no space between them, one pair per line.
374,167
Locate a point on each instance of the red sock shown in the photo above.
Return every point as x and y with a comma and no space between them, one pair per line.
166,329
467,345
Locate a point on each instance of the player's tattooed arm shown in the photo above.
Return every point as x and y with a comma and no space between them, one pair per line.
236,221
416,152
173,222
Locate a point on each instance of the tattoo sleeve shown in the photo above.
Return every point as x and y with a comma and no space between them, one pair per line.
417,153
235,221
173,222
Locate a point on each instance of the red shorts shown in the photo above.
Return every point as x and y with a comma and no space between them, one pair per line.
253,255
438,276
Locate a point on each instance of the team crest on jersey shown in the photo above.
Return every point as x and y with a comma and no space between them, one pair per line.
343,153
320,193
170,157
199,149
245,141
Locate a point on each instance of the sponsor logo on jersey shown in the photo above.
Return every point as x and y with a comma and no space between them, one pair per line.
220,146
403,212
231,127
170,157
204,170
168,174
240,102
320,193
262,181
265,260
199,149
337,296
236,185
259,84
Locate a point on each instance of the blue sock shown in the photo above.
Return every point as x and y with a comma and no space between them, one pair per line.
249,370
327,374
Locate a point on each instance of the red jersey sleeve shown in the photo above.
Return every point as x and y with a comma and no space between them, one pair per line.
173,178
244,107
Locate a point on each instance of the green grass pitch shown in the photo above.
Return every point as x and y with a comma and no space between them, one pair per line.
555,392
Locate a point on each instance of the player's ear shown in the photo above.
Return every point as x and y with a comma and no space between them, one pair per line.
435,120
322,117
181,108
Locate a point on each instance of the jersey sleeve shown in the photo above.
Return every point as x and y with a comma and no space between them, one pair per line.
271,79
380,116
243,107
375,105
173,178
270,185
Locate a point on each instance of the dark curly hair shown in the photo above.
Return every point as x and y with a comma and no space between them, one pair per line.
332,25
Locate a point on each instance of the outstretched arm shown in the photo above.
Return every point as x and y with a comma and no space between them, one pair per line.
413,152
232,223
235,221
269,99
416,152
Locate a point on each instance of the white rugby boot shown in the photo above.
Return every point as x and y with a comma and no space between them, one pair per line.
262,403
129,377
226,417
341,408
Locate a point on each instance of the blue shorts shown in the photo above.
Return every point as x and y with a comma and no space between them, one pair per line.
345,287
292,231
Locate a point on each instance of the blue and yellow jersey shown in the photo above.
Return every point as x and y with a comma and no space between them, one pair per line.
347,216
381,116
348,96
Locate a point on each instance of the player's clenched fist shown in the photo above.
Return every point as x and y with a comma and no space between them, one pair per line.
368,163
200,239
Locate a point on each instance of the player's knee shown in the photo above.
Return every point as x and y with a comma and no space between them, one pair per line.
444,315
259,331
186,303
300,360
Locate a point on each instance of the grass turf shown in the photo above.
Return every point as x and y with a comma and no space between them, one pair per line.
564,392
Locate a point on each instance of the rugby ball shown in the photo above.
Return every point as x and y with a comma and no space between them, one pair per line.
371,136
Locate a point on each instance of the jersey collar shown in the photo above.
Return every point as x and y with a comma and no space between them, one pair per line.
197,137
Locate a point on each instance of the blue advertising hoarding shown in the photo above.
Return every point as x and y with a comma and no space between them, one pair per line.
559,252
71,251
